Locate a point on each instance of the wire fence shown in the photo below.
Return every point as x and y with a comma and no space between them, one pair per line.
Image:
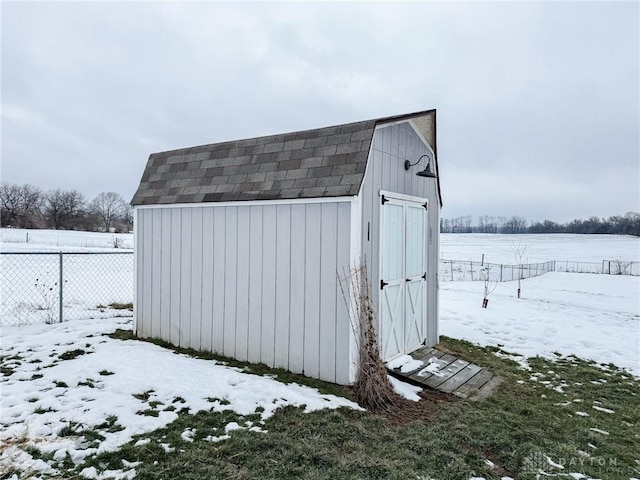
607,267
42,287
468,270
459,270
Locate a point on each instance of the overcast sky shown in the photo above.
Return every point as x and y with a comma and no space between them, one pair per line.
538,103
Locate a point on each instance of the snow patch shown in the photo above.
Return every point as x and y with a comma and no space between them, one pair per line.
406,390
146,378
602,409
188,435
405,363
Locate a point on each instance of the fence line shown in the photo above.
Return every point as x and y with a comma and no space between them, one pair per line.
457,270
465,270
51,287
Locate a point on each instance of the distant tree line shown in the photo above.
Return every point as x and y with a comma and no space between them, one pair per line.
27,206
627,224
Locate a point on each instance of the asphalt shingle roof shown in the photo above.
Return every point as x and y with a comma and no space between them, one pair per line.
324,162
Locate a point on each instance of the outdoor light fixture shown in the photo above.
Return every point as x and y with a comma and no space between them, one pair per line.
427,172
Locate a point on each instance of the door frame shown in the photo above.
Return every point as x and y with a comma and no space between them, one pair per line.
405,199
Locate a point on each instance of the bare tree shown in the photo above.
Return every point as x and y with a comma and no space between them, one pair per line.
62,207
20,205
108,206
518,251
127,217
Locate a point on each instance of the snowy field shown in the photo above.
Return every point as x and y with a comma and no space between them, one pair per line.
595,317
23,240
70,374
540,247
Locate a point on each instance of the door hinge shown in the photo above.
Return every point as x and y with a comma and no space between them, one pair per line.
382,284
424,277
384,199
426,205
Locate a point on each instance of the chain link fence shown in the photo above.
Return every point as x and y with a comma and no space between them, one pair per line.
459,270
607,267
43,287
463,270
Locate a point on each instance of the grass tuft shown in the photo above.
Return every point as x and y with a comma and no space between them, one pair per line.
121,306
41,410
71,354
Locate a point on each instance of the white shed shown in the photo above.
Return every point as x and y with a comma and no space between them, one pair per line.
239,244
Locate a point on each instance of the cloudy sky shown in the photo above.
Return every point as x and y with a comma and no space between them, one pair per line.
538,103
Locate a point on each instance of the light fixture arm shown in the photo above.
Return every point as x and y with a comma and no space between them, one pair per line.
408,164
427,172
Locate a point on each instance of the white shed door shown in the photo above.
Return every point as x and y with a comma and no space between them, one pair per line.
403,277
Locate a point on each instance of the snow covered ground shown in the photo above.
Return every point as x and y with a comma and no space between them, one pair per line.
540,247
72,375
595,317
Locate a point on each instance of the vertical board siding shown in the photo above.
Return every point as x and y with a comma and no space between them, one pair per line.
268,294
283,285
219,268
165,280
156,273
195,314
206,326
140,278
297,288
185,285
342,320
254,342
328,292
230,280
244,258
147,273
254,282
176,275
312,262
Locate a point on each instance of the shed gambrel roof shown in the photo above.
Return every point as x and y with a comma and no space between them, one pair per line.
324,162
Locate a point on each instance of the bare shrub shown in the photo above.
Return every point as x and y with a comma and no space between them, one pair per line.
372,387
620,267
518,251
488,285
48,294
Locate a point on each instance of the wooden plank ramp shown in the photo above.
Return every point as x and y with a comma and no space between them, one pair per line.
447,373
